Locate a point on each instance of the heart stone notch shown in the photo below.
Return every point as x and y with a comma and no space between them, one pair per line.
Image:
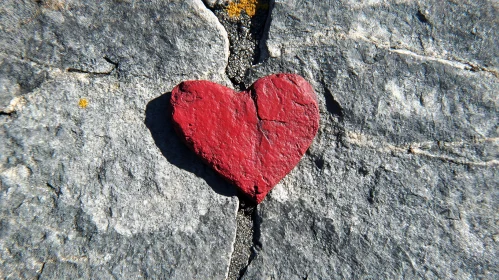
251,138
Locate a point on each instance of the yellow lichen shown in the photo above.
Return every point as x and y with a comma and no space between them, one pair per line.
249,6
83,103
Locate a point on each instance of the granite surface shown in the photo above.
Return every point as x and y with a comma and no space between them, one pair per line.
94,183
400,182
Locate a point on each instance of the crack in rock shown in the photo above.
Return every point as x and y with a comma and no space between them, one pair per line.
245,33
247,243
104,73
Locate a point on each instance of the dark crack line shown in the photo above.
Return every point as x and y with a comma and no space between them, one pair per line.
106,73
248,224
8,114
57,191
108,60
75,70
41,271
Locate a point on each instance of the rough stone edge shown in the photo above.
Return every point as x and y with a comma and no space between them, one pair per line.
211,17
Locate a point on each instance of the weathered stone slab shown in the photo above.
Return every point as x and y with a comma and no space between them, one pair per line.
402,178
94,182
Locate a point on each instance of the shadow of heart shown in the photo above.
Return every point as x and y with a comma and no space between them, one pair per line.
159,122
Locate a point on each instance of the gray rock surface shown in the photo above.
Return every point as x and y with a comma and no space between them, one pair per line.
402,180
107,191
213,3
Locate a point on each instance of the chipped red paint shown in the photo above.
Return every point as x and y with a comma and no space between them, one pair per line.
252,138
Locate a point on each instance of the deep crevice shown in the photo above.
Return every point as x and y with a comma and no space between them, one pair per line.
247,244
332,106
245,34
264,51
257,244
319,162
422,18
335,110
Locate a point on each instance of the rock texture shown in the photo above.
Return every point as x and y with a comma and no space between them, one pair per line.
213,3
402,180
94,182
252,138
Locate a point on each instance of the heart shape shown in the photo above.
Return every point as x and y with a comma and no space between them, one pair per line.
252,138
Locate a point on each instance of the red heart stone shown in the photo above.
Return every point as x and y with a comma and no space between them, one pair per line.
252,138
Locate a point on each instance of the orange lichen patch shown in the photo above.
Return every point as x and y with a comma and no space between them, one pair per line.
249,6
83,103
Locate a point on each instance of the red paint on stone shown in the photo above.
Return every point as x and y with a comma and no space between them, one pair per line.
252,138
